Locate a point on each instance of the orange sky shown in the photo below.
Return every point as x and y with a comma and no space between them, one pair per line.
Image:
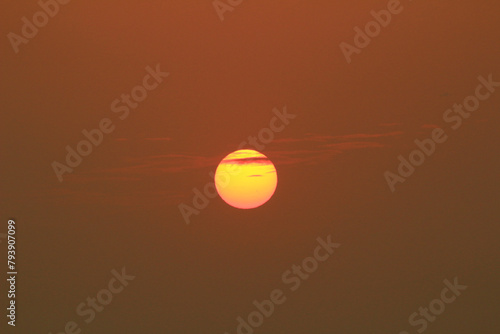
119,206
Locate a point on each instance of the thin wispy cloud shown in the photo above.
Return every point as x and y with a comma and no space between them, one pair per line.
158,139
145,139
131,172
312,148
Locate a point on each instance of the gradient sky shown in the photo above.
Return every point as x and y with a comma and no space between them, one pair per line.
119,208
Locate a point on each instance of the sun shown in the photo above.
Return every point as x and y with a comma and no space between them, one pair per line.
246,179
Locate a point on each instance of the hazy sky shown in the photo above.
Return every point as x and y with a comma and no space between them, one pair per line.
227,81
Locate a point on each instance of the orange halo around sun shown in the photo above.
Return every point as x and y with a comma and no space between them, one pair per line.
246,179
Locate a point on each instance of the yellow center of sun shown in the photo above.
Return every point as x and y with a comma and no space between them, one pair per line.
246,179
